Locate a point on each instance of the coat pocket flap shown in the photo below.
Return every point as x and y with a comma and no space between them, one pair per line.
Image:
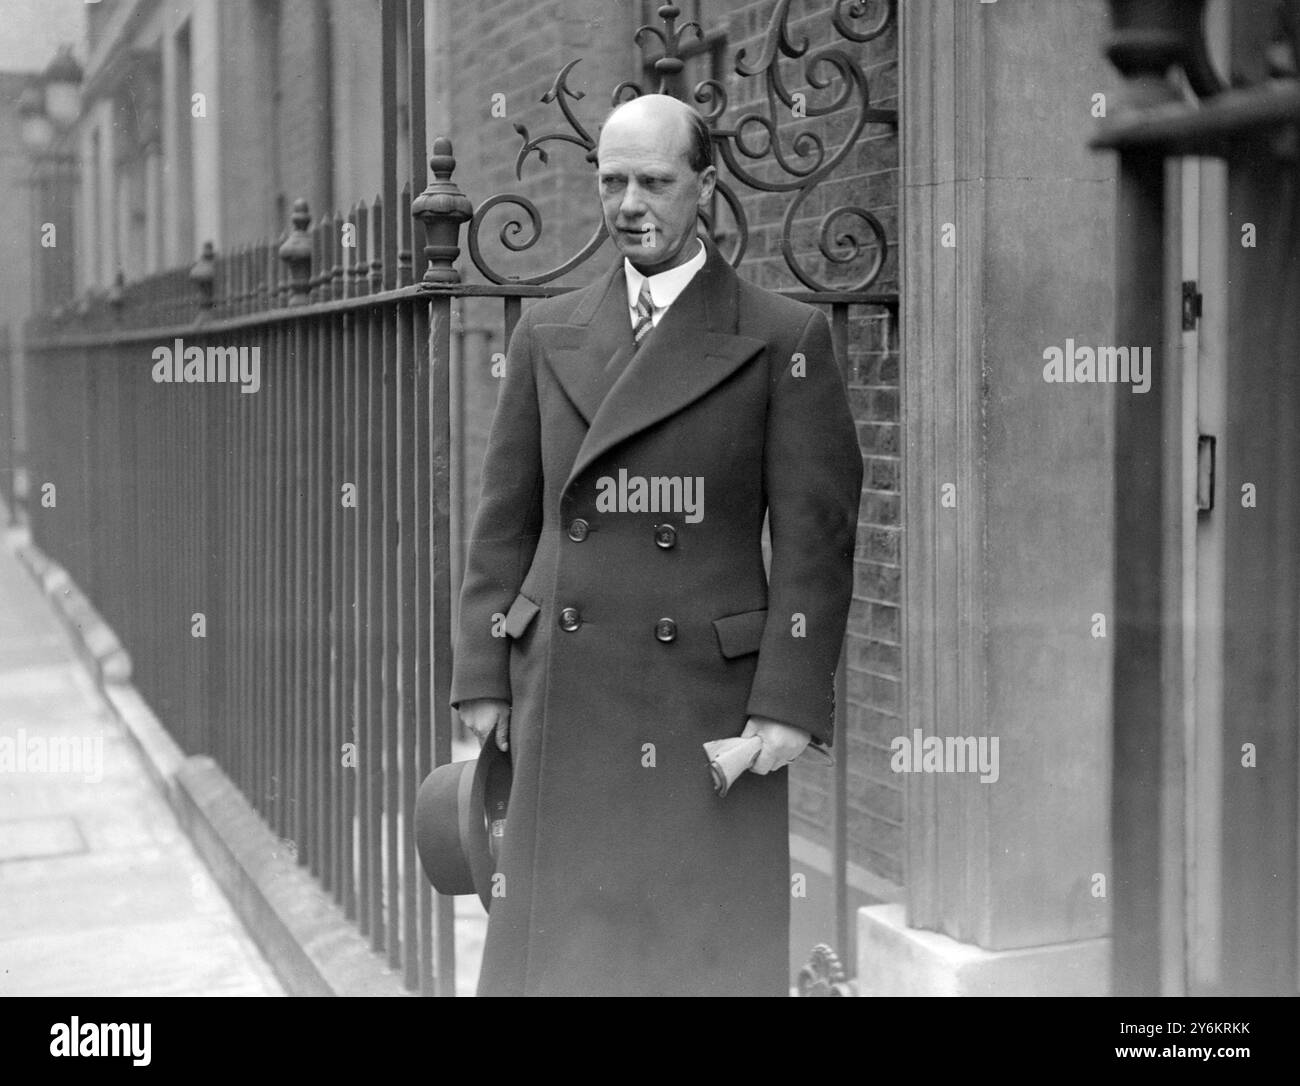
521,613
740,633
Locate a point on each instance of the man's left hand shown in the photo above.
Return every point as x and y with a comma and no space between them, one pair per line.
782,744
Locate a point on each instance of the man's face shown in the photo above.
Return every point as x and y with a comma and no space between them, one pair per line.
649,193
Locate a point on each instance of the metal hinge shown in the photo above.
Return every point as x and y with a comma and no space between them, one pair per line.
1191,305
1205,473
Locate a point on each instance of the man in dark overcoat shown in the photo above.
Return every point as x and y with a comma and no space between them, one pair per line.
616,613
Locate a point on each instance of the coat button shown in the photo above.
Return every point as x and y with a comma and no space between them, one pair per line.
666,630
665,536
570,620
578,530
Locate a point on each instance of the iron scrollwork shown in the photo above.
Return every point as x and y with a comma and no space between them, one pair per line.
560,93
753,141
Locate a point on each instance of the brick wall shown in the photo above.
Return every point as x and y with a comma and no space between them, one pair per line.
516,47
868,176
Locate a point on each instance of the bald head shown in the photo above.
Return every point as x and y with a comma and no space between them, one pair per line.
654,160
669,112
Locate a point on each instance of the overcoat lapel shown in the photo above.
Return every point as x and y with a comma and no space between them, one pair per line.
693,348
585,355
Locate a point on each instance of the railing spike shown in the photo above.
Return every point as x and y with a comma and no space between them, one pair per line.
376,244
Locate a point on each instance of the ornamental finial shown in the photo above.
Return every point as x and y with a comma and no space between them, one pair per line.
442,207
203,275
296,254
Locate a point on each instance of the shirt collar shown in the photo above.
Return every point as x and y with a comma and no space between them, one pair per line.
665,286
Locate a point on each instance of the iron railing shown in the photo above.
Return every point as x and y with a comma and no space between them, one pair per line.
279,562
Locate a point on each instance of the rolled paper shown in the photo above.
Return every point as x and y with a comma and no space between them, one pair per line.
729,758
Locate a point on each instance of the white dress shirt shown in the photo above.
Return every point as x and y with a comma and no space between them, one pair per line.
665,286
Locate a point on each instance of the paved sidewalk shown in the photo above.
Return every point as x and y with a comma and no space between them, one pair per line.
101,892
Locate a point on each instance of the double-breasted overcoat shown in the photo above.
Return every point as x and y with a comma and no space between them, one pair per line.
629,623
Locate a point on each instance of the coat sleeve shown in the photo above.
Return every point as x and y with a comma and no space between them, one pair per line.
506,528
812,480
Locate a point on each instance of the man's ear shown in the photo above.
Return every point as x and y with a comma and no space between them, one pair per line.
708,179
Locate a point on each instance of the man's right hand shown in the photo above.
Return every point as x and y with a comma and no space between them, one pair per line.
481,715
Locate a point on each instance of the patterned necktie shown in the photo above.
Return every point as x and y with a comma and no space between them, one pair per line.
645,308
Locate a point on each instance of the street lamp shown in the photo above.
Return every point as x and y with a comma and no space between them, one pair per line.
51,101
62,79
48,109
37,128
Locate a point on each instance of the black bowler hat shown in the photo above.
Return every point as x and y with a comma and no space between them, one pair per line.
460,818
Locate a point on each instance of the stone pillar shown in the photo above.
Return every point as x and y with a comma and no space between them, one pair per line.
153,227
168,110
148,76
207,70
1007,252
88,228
107,189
